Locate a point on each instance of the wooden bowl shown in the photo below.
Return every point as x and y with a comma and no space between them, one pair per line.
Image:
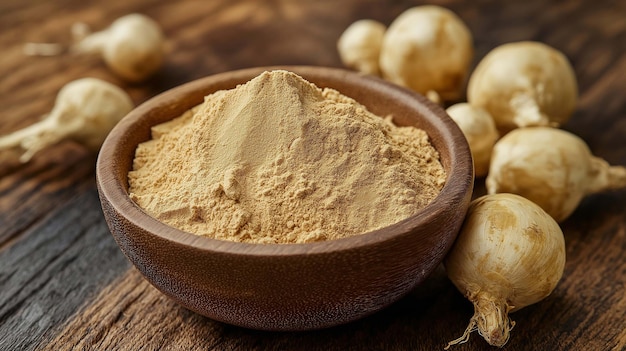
287,286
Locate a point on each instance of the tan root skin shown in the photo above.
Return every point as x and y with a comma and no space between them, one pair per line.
359,46
428,48
524,84
551,167
480,131
509,254
85,111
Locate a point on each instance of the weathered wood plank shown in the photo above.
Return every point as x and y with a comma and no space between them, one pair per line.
131,312
35,189
56,254
587,311
47,275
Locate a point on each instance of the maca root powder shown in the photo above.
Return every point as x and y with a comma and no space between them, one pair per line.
279,160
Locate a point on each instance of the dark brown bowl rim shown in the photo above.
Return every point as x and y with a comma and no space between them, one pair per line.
461,171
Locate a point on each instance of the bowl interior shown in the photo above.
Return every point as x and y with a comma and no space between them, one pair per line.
380,97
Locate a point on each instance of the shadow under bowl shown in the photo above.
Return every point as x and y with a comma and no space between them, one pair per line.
287,286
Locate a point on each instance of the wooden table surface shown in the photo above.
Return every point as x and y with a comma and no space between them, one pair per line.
64,284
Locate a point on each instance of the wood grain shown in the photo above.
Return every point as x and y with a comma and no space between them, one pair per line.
65,285
46,276
130,306
35,189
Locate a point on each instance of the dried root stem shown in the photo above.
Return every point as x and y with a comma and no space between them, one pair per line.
491,320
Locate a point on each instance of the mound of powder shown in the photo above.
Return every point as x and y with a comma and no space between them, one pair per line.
279,160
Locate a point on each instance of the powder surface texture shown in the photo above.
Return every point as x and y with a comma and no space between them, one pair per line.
279,160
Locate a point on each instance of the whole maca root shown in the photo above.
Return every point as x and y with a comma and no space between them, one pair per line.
551,167
132,47
480,131
524,84
428,48
359,46
509,254
85,111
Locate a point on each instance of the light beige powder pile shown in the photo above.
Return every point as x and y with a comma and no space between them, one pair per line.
278,160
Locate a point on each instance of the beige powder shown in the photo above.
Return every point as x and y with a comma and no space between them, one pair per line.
278,160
